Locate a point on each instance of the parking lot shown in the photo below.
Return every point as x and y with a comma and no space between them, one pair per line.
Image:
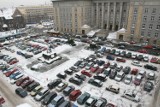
88,64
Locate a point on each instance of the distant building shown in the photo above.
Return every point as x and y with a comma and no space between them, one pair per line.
34,14
9,21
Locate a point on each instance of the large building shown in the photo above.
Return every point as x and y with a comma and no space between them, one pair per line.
35,14
144,21
141,18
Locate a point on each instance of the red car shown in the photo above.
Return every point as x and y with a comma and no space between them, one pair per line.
154,60
1,100
7,74
100,70
120,59
20,81
94,68
86,73
26,83
134,71
106,65
142,51
110,105
13,61
74,94
138,80
148,47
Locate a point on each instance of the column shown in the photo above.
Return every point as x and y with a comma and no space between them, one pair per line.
102,20
108,15
120,15
114,16
97,14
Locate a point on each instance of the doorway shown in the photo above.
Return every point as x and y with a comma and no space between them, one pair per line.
110,27
116,27
83,31
121,37
105,26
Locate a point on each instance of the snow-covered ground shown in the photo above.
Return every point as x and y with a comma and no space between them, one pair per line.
74,54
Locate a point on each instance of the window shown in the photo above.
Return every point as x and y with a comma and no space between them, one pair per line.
158,27
150,26
143,26
149,34
135,10
154,10
146,10
156,35
133,25
144,18
142,33
152,18
132,31
134,18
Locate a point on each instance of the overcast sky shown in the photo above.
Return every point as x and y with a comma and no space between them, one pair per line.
15,3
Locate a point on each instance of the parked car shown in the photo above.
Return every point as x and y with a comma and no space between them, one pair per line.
20,81
143,73
100,70
134,71
131,95
140,57
146,58
95,82
100,62
62,75
148,86
94,68
119,68
113,88
88,65
74,68
119,59
119,76
134,56
54,83
113,74
106,65
128,55
35,90
32,86
68,71
26,83
151,76
68,90
78,63
154,60
61,86
151,67
90,102
101,102
21,92
110,57
74,95
41,94
107,71
80,76
84,72
7,74
117,53
128,79
136,63
113,65
101,77
75,81
83,98
48,98
58,100
138,80
66,104
127,70
110,105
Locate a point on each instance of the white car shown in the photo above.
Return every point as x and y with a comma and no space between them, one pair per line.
131,95
119,76
134,56
128,79
136,63
146,58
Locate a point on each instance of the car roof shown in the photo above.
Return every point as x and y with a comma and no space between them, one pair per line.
114,86
58,97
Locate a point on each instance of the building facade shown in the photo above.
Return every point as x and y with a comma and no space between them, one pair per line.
35,14
144,21
71,15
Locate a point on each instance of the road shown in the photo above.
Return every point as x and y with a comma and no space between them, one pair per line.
12,100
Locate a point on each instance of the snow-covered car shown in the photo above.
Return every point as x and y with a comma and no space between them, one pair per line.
151,76
119,76
96,82
61,86
146,58
131,95
128,79
113,88
37,66
136,63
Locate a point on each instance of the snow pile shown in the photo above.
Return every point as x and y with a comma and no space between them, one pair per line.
112,36
7,13
24,105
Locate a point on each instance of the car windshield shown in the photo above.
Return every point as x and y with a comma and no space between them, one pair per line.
128,78
119,75
40,93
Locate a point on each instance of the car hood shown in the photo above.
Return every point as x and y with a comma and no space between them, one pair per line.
127,81
38,96
51,105
117,78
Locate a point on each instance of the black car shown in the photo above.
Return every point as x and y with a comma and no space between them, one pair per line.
100,62
140,57
128,55
56,101
148,86
90,102
61,75
66,104
69,71
32,86
68,90
75,81
101,102
101,77
107,71
127,70
54,83
82,77
83,98
95,82
74,68
119,68
78,63
21,92
112,74
151,67
47,99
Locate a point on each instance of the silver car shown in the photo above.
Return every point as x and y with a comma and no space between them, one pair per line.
127,79
131,95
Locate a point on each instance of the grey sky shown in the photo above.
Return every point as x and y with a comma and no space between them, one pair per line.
15,3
